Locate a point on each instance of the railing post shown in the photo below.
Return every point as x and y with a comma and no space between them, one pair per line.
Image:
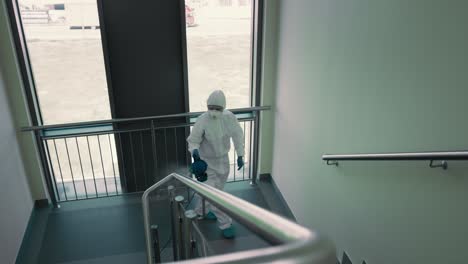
255,147
174,224
46,170
156,244
203,207
190,217
153,146
180,229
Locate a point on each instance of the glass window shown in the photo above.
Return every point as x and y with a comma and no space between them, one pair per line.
65,49
219,50
219,37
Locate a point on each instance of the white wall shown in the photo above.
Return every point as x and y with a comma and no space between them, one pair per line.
361,76
15,198
16,97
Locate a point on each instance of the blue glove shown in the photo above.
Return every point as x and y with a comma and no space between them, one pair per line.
199,169
240,162
195,154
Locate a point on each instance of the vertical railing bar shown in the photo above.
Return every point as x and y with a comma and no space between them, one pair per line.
52,170
43,159
189,156
156,243
173,216
123,161
203,206
102,164
243,168
165,146
234,163
180,213
143,159
71,170
92,166
133,161
81,166
255,151
176,151
250,150
155,157
112,161
189,217
60,169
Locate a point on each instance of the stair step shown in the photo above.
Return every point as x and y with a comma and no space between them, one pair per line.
244,239
274,198
136,257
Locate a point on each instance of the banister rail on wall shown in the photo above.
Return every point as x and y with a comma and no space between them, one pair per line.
291,242
443,156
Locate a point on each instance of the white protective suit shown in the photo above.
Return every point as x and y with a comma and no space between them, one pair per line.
212,137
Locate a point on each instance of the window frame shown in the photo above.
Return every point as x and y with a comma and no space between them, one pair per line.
32,98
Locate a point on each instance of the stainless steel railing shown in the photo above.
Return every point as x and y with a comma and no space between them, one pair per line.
291,243
136,119
443,156
105,158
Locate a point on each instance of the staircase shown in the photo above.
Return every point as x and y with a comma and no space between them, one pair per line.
110,230
264,195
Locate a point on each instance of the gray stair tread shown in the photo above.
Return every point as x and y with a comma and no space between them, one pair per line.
136,257
275,203
244,239
225,246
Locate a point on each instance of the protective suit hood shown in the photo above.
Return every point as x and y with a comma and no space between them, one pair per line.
217,98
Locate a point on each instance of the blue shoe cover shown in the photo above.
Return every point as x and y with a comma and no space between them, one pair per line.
211,216
229,233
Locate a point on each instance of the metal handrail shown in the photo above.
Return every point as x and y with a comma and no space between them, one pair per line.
292,242
116,131
431,156
134,119
439,155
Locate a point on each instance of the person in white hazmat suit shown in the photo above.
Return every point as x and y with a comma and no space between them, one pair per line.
210,141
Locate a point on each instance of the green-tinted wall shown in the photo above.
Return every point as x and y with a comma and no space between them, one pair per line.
17,100
363,76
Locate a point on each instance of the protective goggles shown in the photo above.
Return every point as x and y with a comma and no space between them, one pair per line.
215,108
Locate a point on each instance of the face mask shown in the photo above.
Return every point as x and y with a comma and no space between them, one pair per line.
214,113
